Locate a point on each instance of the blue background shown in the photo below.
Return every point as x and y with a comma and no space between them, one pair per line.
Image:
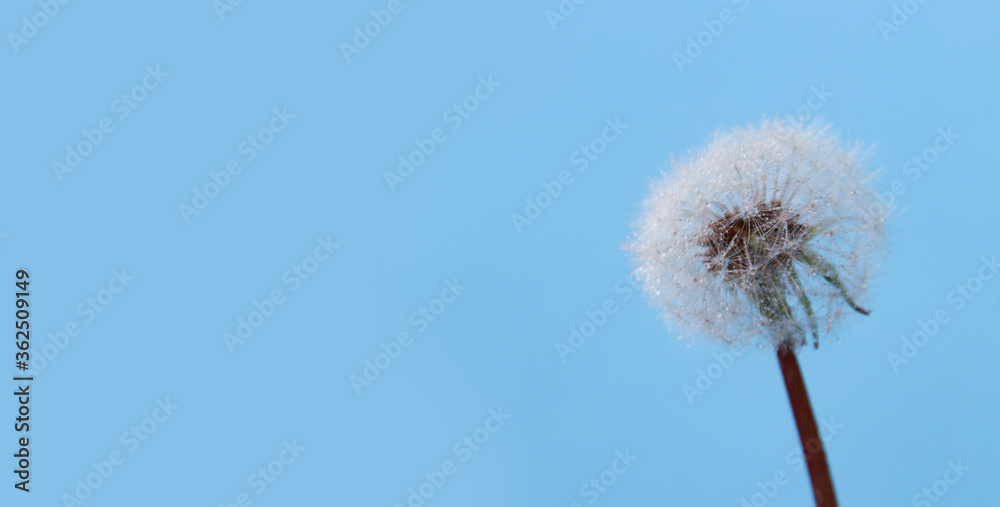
495,345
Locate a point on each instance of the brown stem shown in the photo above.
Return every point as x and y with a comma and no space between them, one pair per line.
812,444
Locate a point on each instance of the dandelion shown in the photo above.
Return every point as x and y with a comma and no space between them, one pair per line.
767,237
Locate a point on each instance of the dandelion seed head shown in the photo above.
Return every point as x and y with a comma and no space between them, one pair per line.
769,234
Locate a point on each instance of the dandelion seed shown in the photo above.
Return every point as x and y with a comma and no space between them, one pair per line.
775,228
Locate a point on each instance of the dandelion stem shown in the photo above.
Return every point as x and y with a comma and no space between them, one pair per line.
812,444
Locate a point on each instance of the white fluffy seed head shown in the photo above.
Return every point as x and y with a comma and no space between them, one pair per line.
767,236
